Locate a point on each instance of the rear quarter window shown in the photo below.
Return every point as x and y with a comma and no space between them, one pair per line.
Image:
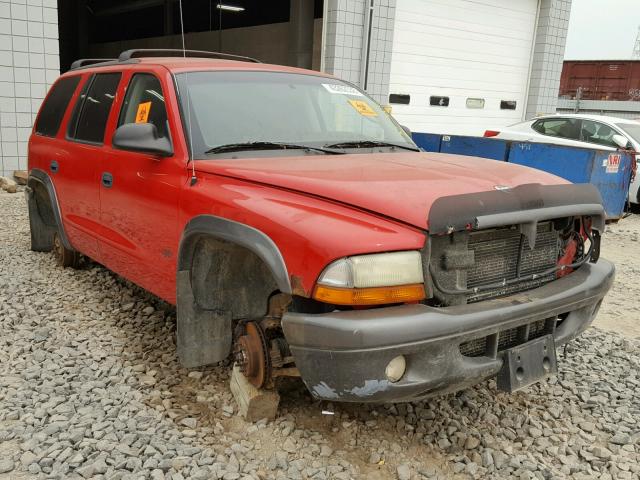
55,105
93,108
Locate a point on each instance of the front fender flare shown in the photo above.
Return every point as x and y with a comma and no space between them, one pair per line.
204,335
234,232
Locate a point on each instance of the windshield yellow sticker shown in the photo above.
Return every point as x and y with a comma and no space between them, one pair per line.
142,116
363,108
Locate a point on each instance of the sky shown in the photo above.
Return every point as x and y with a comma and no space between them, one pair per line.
602,29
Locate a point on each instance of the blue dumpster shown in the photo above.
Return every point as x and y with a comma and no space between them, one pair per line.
609,171
429,142
475,146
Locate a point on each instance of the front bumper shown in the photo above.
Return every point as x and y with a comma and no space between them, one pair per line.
342,356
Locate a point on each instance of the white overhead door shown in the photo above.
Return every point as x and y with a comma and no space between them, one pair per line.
473,54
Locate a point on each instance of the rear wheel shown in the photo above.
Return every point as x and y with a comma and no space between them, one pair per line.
64,256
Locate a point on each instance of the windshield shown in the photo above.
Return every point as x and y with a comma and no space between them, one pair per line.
630,129
241,107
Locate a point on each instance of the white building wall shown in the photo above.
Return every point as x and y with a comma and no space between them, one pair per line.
29,64
473,53
548,56
493,50
346,43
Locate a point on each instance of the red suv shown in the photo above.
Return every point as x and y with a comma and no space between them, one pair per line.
296,226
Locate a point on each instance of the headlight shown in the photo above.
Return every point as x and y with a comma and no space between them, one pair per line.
372,279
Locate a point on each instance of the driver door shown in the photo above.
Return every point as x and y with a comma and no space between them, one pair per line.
139,200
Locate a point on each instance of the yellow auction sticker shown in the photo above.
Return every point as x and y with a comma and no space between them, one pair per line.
363,108
143,112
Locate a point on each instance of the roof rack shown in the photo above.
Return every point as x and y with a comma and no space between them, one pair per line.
130,56
152,52
89,61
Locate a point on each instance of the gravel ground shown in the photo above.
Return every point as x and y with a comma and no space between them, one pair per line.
90,387
621,307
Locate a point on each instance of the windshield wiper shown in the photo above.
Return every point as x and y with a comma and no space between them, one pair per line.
236,147
370,144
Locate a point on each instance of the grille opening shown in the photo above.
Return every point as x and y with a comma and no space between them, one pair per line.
498,256
505,254
508,338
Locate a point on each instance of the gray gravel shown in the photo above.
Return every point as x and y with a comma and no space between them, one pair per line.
90,387
621,308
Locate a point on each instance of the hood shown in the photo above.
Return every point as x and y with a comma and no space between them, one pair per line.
402,186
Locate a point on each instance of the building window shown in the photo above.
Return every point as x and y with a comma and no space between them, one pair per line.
508,105
475,102
436,101
399,98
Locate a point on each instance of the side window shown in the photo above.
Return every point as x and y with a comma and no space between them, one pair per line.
596,132
539,126
559,127
92,115
144,103
55,105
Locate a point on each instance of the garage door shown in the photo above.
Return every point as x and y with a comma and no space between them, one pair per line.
461,66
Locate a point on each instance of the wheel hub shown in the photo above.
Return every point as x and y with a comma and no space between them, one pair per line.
251,355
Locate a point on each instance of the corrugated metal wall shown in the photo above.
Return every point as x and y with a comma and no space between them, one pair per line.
601,80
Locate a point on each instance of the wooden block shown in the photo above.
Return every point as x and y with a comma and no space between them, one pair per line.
253,403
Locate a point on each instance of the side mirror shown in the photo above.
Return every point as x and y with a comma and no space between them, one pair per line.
621,141
143,138
407,130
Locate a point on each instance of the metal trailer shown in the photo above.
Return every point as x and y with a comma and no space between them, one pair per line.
600,80
609,171
477,146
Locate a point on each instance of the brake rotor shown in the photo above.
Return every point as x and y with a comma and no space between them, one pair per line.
251,355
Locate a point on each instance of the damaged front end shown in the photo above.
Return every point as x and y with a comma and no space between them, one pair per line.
508,275
492,244
470,266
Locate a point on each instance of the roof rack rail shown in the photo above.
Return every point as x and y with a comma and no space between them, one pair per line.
153,52
83,62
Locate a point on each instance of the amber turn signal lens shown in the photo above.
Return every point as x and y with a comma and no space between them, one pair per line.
369,296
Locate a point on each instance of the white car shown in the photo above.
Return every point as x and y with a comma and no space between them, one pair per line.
576,130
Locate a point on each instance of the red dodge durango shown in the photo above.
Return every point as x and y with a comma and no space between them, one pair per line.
297,227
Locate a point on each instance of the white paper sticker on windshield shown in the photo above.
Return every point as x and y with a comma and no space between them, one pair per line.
341,89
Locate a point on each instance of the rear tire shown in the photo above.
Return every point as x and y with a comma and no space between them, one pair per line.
64,256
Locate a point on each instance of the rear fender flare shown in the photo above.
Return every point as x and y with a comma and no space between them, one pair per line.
40,177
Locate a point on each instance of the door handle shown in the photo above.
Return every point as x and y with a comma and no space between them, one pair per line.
107,179
54,167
